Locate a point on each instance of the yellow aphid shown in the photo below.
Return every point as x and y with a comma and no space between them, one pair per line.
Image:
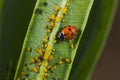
46,45
53,49
44,78
51,23
56,19
38,50
39,74
46,56
49,67
68,0
56,8
72,46
48,20
46,38
59,58
36,58
64,10
45,63
23,73
29,49
26,79
60,62
48,30
67,60
30,69
39,63
46,26
46,74
45,70
36,69
68,4
51,57
54,41
62,17
70,41
32,60
54,67
19,79
53,16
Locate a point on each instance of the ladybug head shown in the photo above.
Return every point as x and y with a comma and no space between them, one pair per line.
60,36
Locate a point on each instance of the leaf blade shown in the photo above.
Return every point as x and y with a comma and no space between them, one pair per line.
34,37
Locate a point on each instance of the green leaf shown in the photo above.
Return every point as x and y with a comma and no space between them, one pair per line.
39,46
93,39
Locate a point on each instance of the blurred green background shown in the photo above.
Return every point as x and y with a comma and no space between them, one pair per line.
108,66
14,19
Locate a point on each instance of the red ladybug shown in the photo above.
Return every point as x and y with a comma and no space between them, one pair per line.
67,33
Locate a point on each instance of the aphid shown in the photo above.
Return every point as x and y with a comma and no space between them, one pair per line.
35,69
45,69
67,33
38,11
60,62
56,8
39,51
32,60
25,79
51,57
29,49
67,60
64,10
56,19
23,73
18,79
46,74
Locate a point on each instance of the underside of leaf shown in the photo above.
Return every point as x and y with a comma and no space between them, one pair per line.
43,56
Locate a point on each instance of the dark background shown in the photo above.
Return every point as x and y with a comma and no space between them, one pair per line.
108,66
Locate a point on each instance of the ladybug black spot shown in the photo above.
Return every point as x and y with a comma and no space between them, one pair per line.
71,33
69,29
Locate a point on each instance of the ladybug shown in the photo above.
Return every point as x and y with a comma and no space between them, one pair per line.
67,33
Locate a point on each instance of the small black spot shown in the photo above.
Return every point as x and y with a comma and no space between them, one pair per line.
41,58
64,34
23,79
55,78
45,3
38,11
69,29
71,33
25,65
52,71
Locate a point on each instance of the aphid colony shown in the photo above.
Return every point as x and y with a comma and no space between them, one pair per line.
44,56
